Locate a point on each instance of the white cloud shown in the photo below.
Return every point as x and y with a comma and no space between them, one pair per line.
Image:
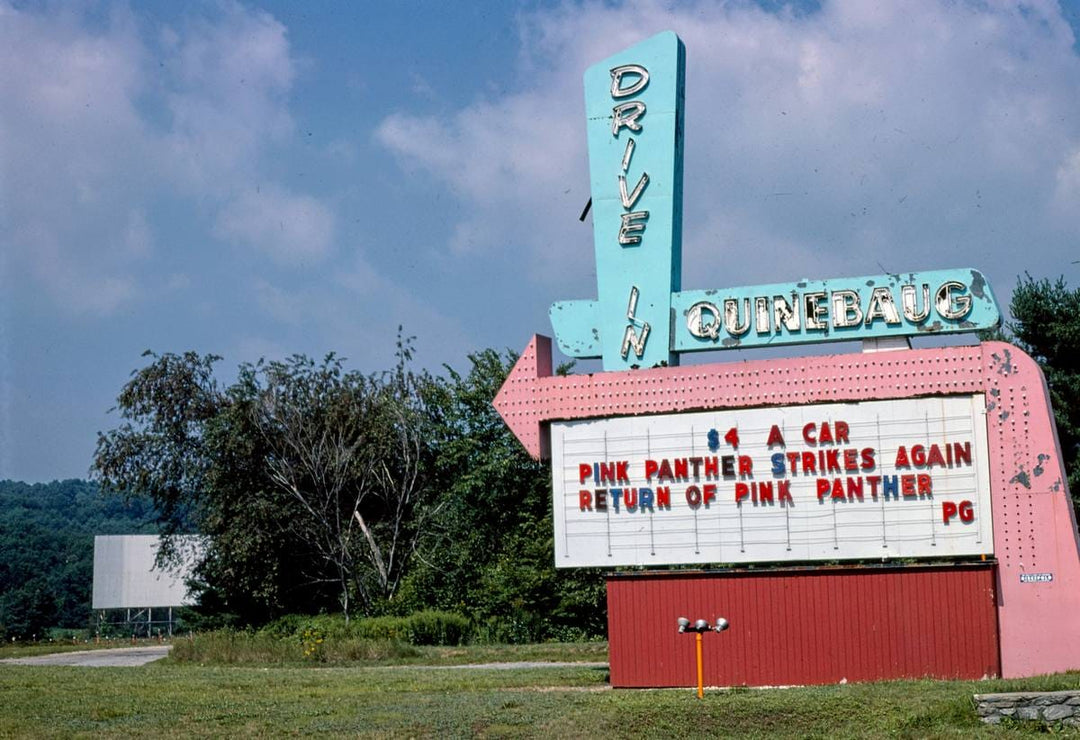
227,84
292,229
102,119
518,162
283,306
138,237
308,316
1068,178
68,123
835,142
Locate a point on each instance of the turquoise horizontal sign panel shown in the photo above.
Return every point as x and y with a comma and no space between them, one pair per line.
843,309
809,311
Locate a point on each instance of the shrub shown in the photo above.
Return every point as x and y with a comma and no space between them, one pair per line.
230,647
286,626
312,639
437,628
421,628
517,629
380,628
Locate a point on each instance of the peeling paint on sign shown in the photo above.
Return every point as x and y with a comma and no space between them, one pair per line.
1022,478
1003,362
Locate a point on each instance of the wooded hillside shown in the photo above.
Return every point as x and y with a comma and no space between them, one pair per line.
47,551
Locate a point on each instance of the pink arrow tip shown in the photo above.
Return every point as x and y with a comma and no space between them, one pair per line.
519,401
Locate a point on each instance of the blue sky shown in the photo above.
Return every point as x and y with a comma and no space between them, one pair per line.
262,179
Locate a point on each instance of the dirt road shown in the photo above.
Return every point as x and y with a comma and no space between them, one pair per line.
111,657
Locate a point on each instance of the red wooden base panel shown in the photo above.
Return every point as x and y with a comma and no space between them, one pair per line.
795,627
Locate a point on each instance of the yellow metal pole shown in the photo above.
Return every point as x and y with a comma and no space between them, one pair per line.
700,673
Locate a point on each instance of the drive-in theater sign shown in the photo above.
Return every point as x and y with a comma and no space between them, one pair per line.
910,503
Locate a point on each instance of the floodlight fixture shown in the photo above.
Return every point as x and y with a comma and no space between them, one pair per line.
699,627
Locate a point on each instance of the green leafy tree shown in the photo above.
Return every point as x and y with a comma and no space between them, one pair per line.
29,610
323,489
308,479
47,549
348,451
490,554
1046,325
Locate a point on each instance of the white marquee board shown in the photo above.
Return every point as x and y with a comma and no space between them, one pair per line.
876,479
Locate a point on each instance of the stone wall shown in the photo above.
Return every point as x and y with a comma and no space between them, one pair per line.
1047,706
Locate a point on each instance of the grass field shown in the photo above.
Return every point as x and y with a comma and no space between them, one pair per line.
173,698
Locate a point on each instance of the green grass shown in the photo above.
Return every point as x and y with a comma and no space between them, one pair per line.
245,648
185,699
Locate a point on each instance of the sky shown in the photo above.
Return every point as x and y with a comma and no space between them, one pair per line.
262,179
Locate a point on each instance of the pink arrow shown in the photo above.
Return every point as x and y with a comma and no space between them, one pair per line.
531,396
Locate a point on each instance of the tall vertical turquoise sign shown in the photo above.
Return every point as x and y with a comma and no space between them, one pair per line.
642,318
634,108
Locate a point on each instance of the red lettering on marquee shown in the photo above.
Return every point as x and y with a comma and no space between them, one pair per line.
693,497
708,493
826,434
712,467
663,497
793,462
822,487
907,485
783,491
868,458
855,488
967,512
665,472
851,459
682,470
873,480
775,437
925,488
838,489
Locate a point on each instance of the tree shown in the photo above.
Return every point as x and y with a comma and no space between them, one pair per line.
490,552
47,550
324,489
159,453
1046,325
308,479
348,450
